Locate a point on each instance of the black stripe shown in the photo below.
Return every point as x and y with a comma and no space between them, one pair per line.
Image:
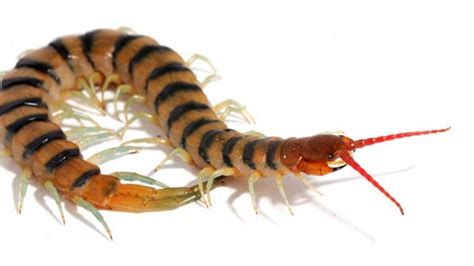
163,70
81,180
87,41
37,102
249,152
21,122
37,143
228,148
206,142
60,158
8,83
171,89
271,153
143,53
62,50
39,66
193,126
182,109
121,43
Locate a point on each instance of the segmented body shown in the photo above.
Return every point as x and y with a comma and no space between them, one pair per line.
154,71
170,88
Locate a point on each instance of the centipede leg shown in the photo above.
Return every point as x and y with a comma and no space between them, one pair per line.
112,153
89,207
251,182
135,99
25,177
5,153
132,177
308,184
78,133
67,112
150,140
255,134
91,140
54,193
122,89
138,116
178,152
228,171
213,73
229,106
279,182
89,87
111,79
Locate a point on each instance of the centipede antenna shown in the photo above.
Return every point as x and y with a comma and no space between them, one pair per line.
370,141
348,159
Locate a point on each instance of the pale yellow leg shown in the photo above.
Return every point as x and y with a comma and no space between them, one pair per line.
89,87
5,153
204,173
308,184
279,182
228,171
112,153
135,99
138,116
89,207
54,193
251,181
64,112
25,179
213,73
178,152
229,106
112,79
150,140
127,30
255,134
122,89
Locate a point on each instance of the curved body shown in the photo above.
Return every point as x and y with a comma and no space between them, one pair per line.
30,91
154,71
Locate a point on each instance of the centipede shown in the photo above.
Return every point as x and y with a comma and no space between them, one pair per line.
33,106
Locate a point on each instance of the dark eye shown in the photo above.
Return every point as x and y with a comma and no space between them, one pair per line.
330,156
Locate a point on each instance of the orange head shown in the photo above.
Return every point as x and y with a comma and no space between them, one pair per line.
323,154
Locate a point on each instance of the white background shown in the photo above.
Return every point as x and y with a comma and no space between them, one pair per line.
366,67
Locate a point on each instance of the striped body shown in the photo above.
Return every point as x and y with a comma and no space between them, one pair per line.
154,71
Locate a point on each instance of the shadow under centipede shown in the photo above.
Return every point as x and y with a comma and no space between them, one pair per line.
297,194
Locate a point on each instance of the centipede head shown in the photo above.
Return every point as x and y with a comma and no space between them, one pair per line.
325,153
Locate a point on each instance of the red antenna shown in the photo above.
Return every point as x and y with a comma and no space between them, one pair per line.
366,142
348,159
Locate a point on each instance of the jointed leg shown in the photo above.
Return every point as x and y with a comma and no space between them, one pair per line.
178,152
54,193
251,181
25,179
112,153
229,106
86,205
279,182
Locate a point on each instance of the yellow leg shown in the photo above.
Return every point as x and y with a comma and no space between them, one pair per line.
126,30
178,152
89,207
122,89
5,153
204,173
112,79
89,87
112,153
229,106
135,99
251,181
25,179
54,193
138,116
213,73
228,171
151,140
65,111
279,182
308,184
